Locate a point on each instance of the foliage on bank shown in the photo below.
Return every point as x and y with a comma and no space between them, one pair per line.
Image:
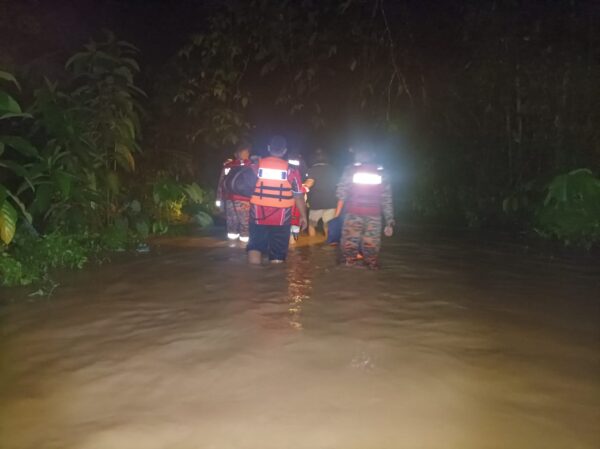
69,188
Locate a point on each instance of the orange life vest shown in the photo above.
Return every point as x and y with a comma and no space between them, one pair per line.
272,187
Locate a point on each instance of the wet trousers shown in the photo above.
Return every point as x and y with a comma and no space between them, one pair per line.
237,214
361,234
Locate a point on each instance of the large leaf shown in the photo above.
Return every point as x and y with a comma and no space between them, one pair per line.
3,193
194,193
11,115
112,180
9,77
8,222
76,57
23,146
16,168
43,198
63,181
126,159
8,104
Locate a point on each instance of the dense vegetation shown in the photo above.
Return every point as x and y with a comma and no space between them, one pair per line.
489,111
67,192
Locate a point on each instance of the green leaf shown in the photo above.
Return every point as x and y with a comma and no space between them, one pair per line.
8,104
16,168
76,57
43,198
15,115
131,62
135,206
64,181
142,228
19,203
194,193
8,222
126,159
9,77
112,180
3,194
23,146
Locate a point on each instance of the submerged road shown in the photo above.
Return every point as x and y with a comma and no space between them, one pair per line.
455,344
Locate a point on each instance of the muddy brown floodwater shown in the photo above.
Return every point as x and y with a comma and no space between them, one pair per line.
457,343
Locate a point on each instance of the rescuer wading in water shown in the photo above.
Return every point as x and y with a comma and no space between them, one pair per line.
365,195
278,188
237,207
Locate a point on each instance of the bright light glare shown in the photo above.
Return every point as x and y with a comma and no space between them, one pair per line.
232,236
366,178
273,174
218,203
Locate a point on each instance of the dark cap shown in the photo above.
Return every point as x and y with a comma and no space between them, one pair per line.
278,144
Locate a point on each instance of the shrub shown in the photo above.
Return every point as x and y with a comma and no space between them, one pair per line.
571,209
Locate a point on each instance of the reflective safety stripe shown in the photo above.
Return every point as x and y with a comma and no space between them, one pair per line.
227,170
244,239
295,162
276,189
366,178
272,174
232,236
280,196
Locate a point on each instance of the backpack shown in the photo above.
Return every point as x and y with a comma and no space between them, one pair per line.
241,180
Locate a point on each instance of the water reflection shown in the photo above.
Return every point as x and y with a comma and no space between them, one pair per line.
299,278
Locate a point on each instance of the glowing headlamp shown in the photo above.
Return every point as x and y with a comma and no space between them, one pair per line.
366,178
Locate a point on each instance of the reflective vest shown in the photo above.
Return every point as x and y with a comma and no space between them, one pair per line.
366,191
272,187
227,166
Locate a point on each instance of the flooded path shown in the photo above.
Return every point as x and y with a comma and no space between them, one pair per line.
455,344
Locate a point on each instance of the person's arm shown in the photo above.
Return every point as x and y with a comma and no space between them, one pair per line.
219,196
299,198
387,204
301,205
342,190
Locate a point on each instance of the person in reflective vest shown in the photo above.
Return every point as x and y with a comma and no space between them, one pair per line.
278,189
236,207
365,196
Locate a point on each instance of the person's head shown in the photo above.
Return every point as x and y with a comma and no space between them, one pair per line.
319,156
363,156
277,146
242,151
294,158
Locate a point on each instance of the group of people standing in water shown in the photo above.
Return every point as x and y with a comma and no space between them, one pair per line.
265,202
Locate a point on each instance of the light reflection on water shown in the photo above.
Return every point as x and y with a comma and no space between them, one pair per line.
299,278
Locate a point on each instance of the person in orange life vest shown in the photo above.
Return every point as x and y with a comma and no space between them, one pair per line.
278,189
365,195
237,208
295,160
